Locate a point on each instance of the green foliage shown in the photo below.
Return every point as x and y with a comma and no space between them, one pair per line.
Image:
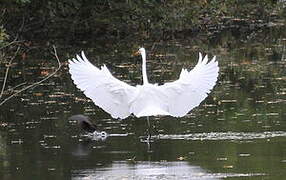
117,19
18,2
23,1
3,36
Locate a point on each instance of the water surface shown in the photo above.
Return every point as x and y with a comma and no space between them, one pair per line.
238,132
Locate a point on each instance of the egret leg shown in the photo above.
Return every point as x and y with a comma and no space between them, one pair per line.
149,129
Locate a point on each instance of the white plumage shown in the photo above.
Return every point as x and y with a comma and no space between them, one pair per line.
120,99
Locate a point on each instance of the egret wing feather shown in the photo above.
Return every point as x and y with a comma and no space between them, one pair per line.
192,87
112,95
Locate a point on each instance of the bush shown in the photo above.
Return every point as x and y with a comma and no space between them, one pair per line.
3,36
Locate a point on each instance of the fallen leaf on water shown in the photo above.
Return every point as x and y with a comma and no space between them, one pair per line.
221,159
228,166
244,154
38,94
181,158
131,159
44,72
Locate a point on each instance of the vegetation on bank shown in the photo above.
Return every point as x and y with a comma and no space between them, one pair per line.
3,36
75,19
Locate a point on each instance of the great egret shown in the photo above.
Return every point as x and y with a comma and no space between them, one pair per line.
120,99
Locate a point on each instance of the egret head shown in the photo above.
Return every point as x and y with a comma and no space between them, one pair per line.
140,51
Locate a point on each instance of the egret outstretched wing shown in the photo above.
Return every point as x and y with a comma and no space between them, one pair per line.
112,95
191,88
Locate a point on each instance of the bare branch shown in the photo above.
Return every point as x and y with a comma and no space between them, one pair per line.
9,44
21,84
39,82
7,71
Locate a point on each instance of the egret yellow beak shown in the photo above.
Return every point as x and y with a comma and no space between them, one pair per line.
136,53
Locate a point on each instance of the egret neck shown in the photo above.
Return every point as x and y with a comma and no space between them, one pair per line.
144,73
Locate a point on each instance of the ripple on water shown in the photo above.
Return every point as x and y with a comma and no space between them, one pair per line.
226,136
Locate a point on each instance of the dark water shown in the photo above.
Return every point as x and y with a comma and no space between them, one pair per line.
238,132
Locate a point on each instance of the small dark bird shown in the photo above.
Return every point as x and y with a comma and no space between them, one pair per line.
84,123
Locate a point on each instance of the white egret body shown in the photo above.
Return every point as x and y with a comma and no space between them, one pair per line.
120,99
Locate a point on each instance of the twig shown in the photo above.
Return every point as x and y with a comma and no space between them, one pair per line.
39,82
7,71
3,13
15,39
11,89
9,44
282,57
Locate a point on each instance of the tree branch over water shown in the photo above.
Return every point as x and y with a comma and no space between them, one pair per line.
7,71
32,85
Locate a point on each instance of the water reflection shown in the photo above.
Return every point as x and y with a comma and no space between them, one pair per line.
153,170
3,155
82,149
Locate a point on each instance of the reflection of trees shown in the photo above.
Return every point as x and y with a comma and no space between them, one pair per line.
4,165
